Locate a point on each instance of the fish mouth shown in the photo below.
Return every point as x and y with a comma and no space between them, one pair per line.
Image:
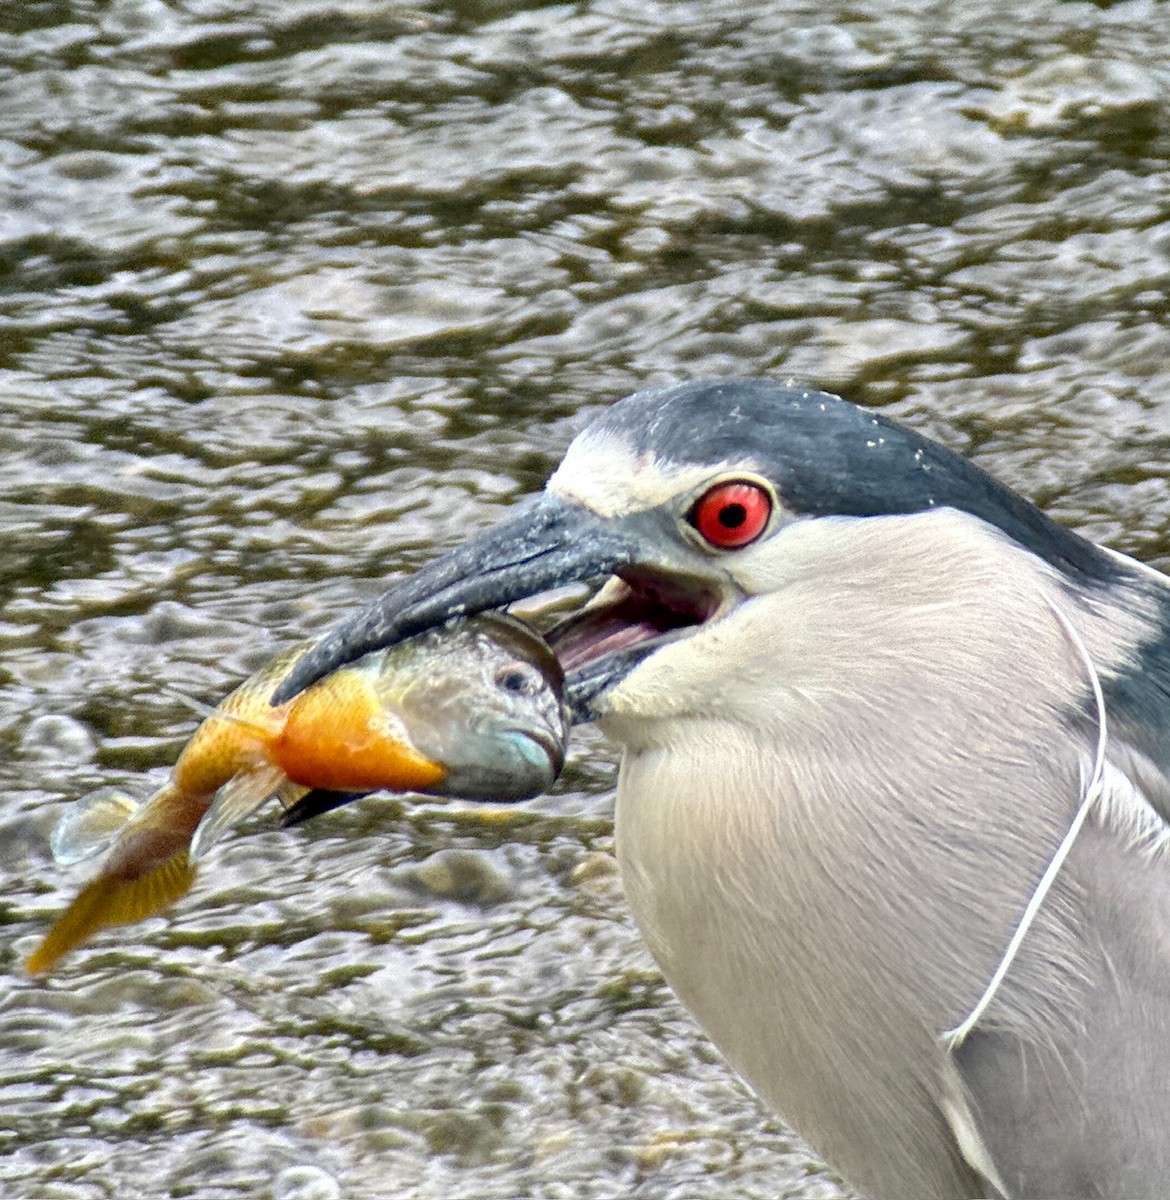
517,764
659,591
547,760
550,746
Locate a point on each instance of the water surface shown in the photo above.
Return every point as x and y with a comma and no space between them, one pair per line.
293,295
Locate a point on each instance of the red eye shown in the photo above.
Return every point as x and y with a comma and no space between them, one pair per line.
732,514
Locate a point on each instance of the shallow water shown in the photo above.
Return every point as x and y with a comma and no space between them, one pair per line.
293,294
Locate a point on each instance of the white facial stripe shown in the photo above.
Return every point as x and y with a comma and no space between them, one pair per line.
602,472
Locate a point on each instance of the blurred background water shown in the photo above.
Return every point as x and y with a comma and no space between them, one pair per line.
292,295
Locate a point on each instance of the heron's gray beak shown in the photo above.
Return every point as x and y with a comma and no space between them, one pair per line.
547,544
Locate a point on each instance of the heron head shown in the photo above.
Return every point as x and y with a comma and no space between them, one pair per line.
684,498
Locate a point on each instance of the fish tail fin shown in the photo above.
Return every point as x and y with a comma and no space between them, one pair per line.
111,899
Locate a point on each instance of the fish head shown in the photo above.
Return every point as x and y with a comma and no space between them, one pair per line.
484,699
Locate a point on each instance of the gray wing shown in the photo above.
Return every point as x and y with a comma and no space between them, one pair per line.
1084,1112
1128,635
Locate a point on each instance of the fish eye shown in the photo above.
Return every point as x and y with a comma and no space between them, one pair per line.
520,678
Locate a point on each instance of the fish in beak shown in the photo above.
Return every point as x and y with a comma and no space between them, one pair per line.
474,710
660,587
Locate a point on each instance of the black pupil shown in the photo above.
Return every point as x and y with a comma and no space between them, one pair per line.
732,516
515,681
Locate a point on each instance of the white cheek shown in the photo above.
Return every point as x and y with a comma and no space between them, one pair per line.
712,671
847,613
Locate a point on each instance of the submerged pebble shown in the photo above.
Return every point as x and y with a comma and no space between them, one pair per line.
305,1183
58,738
465,876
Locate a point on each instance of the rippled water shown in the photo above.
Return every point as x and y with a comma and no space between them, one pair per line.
293,294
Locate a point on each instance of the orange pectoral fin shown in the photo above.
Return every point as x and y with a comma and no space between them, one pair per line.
337,737
110,900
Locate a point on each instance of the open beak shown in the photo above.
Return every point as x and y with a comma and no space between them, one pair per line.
664,587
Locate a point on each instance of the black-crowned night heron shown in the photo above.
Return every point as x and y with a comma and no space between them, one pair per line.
892,807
